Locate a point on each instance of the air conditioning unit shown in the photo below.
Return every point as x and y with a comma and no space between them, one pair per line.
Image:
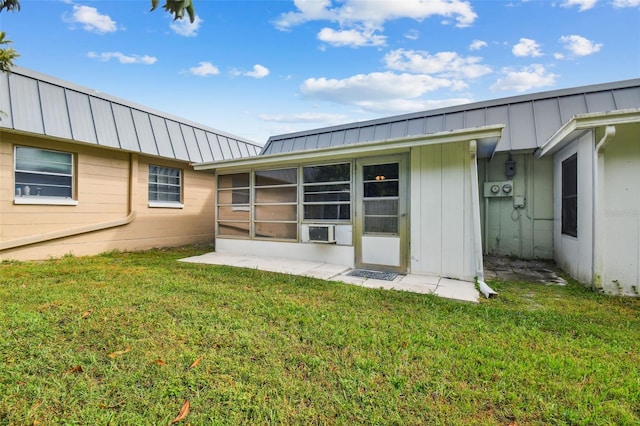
322,234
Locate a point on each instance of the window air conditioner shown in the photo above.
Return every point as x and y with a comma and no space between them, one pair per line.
322,234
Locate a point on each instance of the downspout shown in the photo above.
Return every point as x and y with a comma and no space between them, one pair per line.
36,239
477,231
598,187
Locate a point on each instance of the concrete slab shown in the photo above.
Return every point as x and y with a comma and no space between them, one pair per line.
425,284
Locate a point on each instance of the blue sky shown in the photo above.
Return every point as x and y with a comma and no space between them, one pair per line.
261,68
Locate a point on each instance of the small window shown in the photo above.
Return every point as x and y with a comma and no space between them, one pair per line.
43,176
165,186
327,192
570,196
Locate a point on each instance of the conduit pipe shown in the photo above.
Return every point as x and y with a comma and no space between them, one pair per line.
477,232
598,186
55,235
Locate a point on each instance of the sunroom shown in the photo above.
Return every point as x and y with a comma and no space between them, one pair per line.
407,205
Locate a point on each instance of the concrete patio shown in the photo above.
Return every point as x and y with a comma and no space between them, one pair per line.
442,287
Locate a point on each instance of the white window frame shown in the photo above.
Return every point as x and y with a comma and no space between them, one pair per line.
163,203
33,198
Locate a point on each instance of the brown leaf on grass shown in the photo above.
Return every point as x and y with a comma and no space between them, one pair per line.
86,314
76,369
196,362
159,362
184,411
118,353
111,407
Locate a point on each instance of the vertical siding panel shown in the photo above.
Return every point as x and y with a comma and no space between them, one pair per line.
5,104
27,112
105,124
125,127
162,136
145,133
452,210
522,126
177,140
431,196
416,126
54,111
627,98
191,143
216,150
81,117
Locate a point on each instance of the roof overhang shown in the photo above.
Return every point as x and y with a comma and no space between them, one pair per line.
582,123
486,138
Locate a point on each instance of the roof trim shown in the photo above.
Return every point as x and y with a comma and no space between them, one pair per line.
468,106
581,122
487,137
120,101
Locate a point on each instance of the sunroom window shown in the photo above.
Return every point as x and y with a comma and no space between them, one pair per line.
234,206
43,174
276,204
327,192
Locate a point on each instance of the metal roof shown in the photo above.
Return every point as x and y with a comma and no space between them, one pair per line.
40,104
529,120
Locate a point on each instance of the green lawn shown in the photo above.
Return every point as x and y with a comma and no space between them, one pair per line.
111,339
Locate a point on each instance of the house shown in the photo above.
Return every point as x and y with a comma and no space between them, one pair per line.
427,193
431,192
83,173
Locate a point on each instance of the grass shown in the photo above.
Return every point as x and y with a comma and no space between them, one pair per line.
109,340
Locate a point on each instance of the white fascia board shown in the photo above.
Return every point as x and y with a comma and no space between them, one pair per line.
386,146
582,122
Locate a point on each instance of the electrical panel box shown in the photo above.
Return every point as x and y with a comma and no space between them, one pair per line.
518,201
498,189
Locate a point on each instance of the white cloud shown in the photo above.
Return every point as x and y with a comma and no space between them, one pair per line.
582,4
186,28
412,35
379,91
477,45
204,69
122,58
259,71
443,64
527,78
580,46
526,47
626,3
351,38
367,16
92,20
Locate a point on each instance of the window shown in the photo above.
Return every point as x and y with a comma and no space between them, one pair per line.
276,204
381,198
570,196
43,176
327,192
234,206
165,186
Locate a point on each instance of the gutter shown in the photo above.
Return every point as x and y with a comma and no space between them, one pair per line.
598,187
477,232
56,235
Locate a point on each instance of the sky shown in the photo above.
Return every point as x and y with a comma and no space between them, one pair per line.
258,68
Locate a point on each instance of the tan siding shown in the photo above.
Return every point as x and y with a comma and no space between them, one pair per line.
103,195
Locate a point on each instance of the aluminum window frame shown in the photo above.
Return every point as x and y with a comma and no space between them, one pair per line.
156,203
27,193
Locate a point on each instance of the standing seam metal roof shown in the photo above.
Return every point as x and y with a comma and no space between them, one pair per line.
529,120
40,104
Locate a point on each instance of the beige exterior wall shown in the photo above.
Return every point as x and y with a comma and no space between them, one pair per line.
103,191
